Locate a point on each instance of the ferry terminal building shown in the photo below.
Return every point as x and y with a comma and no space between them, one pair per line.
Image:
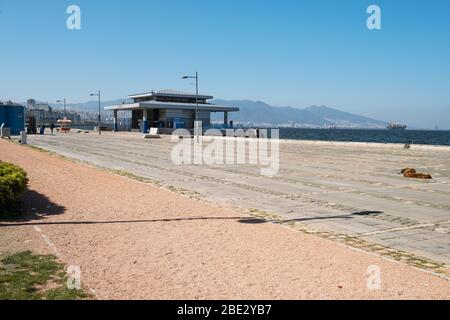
169,110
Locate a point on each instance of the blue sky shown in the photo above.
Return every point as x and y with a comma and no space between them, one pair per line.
297,53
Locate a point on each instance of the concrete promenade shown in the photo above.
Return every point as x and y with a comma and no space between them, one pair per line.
348,191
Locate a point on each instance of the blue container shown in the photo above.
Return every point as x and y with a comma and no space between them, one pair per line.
13,116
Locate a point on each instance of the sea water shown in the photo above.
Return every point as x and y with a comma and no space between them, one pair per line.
428,137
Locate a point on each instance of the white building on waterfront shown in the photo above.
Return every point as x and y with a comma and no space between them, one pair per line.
169,109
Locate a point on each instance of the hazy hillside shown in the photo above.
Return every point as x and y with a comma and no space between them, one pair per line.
258,112
342,118
90,105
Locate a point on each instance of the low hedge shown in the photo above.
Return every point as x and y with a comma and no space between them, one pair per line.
13,182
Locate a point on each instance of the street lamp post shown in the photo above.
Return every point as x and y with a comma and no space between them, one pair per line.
98,94
64,100
196,100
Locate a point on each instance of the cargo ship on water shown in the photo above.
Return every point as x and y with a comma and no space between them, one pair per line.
397,126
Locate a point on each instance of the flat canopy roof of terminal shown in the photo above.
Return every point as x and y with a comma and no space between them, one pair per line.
171,105
169,93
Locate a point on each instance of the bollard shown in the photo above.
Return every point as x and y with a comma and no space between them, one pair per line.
23,137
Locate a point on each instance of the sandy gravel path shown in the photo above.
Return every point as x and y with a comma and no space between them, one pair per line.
134,240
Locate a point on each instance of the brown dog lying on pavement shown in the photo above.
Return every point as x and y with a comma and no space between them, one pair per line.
411,173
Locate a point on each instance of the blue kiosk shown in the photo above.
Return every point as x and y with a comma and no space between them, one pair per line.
12,116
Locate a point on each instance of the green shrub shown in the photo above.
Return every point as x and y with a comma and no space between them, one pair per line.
13,182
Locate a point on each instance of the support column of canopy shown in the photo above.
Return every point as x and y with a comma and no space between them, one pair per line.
116,127
145,121
225,119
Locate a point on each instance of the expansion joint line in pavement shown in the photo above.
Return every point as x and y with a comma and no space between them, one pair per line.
52,246
418,226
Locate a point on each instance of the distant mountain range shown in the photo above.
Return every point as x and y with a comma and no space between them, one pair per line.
258,112
263,114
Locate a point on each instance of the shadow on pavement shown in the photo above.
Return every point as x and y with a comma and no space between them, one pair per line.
346,216
34,206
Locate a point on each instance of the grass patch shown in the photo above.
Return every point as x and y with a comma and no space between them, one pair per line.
38,148
263,214
25,276
133,176
184,192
